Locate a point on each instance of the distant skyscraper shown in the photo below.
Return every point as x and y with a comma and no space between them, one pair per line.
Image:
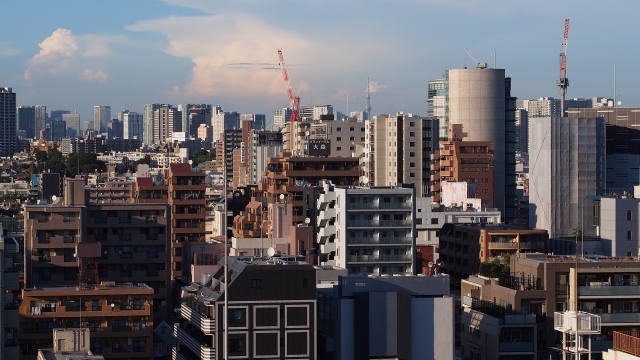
522,131
314,112
258,120
132,124
27,120
73,122
360,115
101,117
58,130
221,121
438,102
57,114
7,122
41,119
114,129
148,129
281,117
198,116
167,119
548,106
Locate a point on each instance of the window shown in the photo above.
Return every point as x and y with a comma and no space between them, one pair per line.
411,133
339,148
629,215
68,217
411,164
412,123
236,345
412,174
434,221
339,138
256,283
629,235
412,143
351,138
339,129
412,154
236,316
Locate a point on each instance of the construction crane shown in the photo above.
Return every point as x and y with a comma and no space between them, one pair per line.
479,65
293,100
563,82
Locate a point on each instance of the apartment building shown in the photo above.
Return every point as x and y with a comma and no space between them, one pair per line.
324,137
118,317
271,313
134,241
111,192
466,163
366,230
542,284
463,247
10,300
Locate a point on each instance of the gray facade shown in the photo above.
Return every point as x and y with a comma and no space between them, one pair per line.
101,116
480,99
567,164
148,127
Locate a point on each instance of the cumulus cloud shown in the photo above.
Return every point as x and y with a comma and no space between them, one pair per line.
374,87
65,52
231,54
6,51
98,76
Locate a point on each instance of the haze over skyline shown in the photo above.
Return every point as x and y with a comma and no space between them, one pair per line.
74,55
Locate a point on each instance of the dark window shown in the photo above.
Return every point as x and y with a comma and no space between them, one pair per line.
256,283
236,316
434,221
236,345
629,215
339,129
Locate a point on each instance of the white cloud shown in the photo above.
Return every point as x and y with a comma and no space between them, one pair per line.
231,54
98,76
374,87
6,51
64,52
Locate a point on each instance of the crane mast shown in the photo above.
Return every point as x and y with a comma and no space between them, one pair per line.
563,82
294,101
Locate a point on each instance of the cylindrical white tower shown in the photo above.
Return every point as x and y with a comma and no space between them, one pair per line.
477,101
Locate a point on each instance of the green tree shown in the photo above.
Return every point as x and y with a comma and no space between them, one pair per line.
84,164
201,155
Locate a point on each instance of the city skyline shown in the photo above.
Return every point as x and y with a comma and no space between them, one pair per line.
64,57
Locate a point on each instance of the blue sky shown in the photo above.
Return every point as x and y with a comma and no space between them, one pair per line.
72,55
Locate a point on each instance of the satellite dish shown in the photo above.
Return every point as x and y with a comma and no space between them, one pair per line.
307,221
54,198
619,103
281,196
190,162
271,251
306,133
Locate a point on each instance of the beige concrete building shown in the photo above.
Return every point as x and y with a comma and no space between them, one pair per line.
344,137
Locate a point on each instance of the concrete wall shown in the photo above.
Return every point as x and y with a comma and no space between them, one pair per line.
477,101
615,226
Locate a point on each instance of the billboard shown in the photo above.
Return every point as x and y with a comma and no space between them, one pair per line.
319,147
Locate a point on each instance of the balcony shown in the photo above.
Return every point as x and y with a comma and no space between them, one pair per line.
586,323
379,258
620,318
379,206
194,345
609,291
380,223
380,241
175,354
207,325
516,347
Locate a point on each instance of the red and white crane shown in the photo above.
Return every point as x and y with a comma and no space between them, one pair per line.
293,100
563,82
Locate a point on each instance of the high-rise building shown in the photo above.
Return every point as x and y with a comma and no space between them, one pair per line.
281,117
27,120
7,122
438,103
9,302
101,117
132,125
569,166
548,106
72,121
221,121
359,115
166,120
324,138
402,147
480,99
148,129
257,120
197,115
58,130
57,114
41,119
114,129
315,112
522,131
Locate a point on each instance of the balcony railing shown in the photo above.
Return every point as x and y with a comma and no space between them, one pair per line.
627,341
631,318
608,291
516,346
380,258
379,205
379,240
380,223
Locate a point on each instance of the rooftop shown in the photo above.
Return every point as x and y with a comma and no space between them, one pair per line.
572,259
48,354
103,286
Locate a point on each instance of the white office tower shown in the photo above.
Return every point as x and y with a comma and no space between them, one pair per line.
367,230
101,117
567,164
149,126
480,99
315,112
281,117
166,121
359,115
132,124
221,121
